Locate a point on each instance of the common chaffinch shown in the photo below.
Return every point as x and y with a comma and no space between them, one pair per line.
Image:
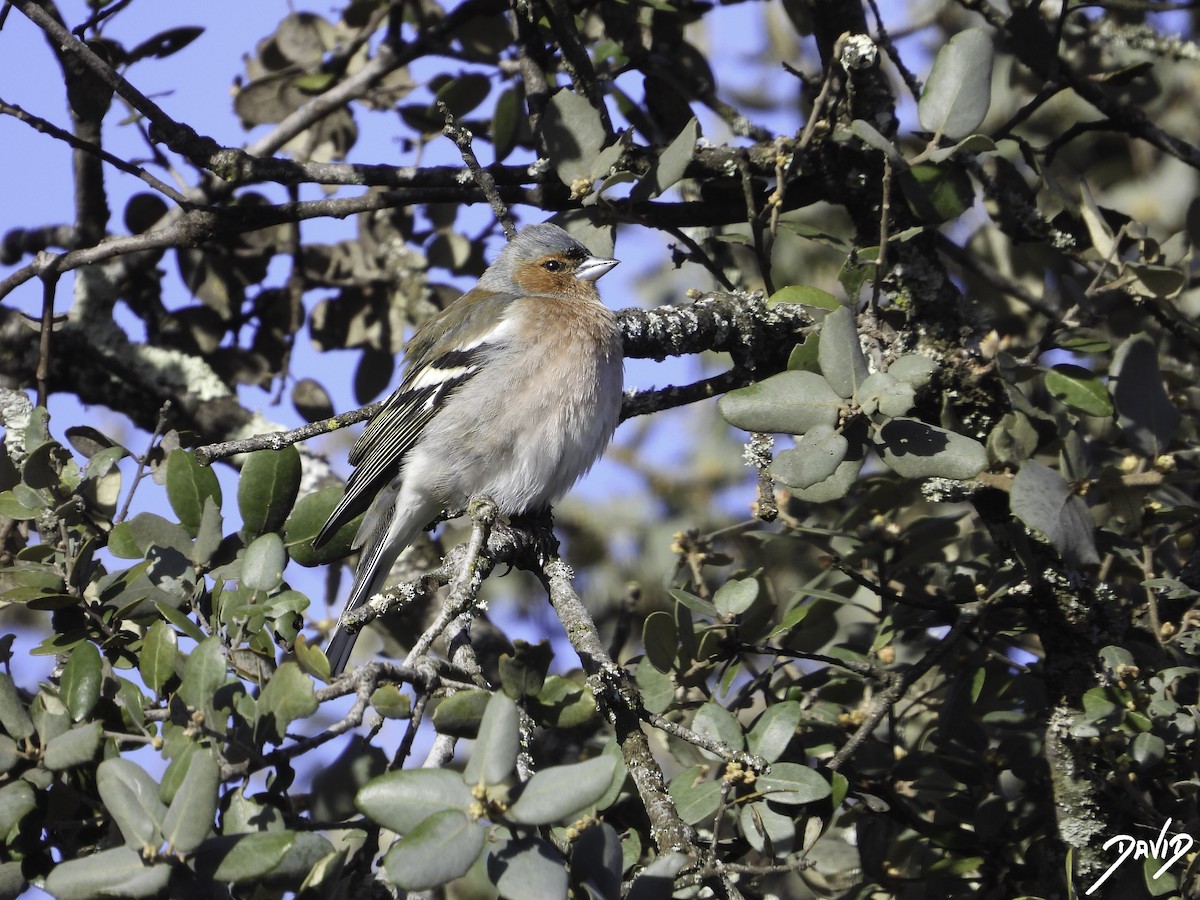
512,391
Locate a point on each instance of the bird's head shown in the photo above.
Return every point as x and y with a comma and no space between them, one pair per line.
543,260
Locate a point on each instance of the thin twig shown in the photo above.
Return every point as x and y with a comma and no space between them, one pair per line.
473,568
885,212
277,440
619,700
144,459
712,745
45,127
49,286
462,138
886,699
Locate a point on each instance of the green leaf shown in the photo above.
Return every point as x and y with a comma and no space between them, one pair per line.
238,858
774,730
81,680
937,193
562,703
12,880
190,817
792,784
208,536
134,538
9,756
119,872
89,441
17,505
655,686
816,457
188,484
1013,439
505,123
714,721
766,830
203,673
574,135
806,295
842,362
915,449
660,637
1148,750
288,696
1102,237
461,714
523,672
913,369
696,798
562,791
263,562
401,800
1079,389
859,266
959,90
308,516
440,849
597,859
131,797
16,802
788,403
839,484
180,620
14,714
1043,500
528,867
736,596
670,165
463,93
496,747
1158,282
698,605
389,702
159,656
1146,413
73,748
975,143
267,488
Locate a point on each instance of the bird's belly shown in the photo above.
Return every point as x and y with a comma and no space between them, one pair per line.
527,449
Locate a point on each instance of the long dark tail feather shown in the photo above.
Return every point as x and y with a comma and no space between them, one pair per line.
372,570
388,540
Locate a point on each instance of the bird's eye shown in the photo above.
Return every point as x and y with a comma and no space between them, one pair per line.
554,265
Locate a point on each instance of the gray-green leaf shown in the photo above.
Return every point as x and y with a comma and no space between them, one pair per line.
189,819
119,872
1042,499
915,449
495,752
787,403
1146,413
840,354
402,800
560,791
263,562
438,850
267,488
816,457
131,797
959,90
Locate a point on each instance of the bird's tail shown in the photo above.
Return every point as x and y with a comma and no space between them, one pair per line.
386,537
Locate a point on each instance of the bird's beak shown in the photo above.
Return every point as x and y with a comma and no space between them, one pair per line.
593,267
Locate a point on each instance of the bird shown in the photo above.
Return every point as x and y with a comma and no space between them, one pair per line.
513,391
